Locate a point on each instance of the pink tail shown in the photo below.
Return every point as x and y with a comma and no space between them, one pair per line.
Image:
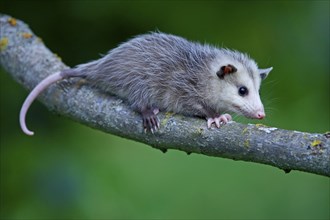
33,95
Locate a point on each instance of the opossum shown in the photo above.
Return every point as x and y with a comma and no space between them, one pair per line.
163,72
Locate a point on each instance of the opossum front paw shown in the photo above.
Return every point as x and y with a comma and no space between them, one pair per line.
222,119
150,120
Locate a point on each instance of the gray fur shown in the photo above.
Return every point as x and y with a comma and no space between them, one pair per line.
154,70
159,70
162,71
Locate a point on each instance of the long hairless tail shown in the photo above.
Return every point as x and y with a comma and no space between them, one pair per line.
34,94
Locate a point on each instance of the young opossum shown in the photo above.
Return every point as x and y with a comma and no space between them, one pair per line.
164,72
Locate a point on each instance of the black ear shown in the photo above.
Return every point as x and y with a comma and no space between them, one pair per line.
226,70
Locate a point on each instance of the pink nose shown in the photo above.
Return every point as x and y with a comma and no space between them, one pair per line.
260,115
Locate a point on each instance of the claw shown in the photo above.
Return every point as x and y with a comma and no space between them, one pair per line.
150,120
220,120
156,111
209,122
223,119
228,117
217,122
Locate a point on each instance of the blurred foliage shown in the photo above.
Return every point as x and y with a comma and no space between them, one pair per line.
70,171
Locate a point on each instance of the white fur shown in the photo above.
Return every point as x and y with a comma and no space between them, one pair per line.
225,91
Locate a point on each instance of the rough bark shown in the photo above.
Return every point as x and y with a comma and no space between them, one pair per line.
24,56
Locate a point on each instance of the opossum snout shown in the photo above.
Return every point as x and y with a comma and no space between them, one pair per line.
260,115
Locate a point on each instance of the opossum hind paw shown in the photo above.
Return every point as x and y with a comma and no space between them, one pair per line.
150,120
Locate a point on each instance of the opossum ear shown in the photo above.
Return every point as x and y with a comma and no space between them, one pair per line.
264,72
226,70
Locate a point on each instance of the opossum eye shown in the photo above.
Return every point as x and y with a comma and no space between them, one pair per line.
243,91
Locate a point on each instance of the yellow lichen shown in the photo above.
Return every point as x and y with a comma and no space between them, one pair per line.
327,134
12,21
169,114
200,131
80,83
3,43
261,125
167,117
26,35
247,143
245,130
316,143
57,56
305,136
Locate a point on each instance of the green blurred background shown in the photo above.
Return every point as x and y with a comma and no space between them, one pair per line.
69,171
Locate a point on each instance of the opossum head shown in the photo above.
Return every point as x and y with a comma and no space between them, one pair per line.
235,84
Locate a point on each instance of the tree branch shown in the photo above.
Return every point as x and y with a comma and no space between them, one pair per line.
25,57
